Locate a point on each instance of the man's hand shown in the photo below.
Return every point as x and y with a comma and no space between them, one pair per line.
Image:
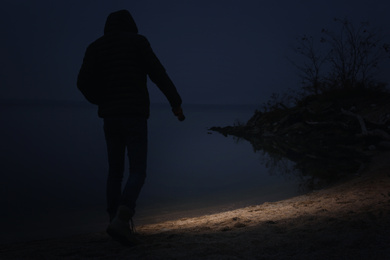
178,112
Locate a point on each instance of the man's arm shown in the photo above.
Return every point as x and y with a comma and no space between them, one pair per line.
159,76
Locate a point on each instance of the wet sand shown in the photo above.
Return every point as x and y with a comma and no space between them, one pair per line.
350,220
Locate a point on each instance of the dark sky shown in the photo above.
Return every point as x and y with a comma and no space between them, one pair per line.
216,52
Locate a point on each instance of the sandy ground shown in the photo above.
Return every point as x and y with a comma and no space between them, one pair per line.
350,220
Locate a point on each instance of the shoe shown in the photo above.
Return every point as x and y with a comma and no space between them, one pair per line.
120,230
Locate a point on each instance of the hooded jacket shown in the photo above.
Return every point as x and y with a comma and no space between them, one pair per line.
115,69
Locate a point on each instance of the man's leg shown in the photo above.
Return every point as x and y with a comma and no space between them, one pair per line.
116,146
136,142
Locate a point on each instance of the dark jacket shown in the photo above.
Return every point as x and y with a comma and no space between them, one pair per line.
115,68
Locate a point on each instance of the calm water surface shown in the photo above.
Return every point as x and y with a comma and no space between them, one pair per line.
54,167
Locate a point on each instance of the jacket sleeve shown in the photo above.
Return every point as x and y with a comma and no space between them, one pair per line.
159,76
88,79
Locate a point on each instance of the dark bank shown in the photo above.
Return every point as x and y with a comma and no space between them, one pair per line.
329,136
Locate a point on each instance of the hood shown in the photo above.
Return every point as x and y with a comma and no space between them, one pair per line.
120,21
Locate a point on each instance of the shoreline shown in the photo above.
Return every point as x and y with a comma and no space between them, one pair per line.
199,207
349,220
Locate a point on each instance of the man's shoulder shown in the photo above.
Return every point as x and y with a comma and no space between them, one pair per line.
121,36
95,43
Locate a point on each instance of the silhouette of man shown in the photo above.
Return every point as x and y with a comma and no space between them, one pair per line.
113,76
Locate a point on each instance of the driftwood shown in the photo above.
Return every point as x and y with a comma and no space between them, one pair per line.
376,132
359,118
379,133
325,123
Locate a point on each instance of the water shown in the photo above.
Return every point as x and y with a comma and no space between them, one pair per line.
54,167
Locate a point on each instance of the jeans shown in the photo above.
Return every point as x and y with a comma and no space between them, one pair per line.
122,133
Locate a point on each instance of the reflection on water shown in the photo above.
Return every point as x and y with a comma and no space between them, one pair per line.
314,166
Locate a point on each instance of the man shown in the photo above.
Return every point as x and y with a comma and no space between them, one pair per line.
113,76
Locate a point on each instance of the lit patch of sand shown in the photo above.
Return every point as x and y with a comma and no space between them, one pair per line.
347,221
